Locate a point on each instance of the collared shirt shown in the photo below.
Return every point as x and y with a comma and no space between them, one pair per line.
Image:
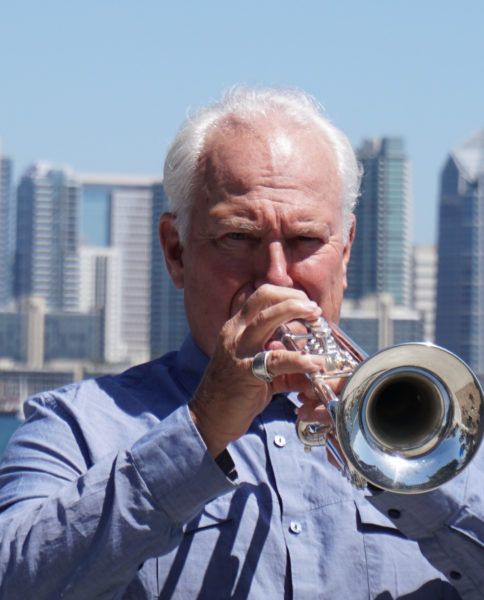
108,492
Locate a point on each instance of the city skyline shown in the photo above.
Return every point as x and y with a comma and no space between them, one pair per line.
125,264
103,86
87,252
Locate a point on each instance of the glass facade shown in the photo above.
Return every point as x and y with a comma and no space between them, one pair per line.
381,255
127,210
6,218
460,271
47,241
12,328
89,242
73,337
66,336
375,323
168,322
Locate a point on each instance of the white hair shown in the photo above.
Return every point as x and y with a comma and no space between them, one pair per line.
248,104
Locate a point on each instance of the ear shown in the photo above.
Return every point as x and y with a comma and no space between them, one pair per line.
347,249
172,248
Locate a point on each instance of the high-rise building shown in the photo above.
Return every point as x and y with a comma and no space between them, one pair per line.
374,322
460,272
122,212
168,322
117,212
424,286
89,243
6,222
100,290
381,254
47,241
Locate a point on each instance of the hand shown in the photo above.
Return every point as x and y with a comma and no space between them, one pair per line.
229,396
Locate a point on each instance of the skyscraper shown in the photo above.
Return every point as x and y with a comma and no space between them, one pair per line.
6,220
117,212
47,241
460,271
424,286
100,290
381,255
122,212
168,322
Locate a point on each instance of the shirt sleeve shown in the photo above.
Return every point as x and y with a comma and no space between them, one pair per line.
448,524
74,530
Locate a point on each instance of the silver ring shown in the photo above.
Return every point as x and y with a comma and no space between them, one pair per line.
259,366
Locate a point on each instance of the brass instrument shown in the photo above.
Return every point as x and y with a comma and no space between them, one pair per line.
408,419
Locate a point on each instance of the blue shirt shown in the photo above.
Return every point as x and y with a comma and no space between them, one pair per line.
107,491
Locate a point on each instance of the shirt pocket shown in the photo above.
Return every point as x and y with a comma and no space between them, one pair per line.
395,565
371,520
217,551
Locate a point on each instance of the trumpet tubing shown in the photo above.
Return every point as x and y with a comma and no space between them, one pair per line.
408,419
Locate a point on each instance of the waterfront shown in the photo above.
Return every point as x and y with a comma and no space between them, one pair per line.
8,424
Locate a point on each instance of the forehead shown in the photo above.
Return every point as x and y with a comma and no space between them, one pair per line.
240,155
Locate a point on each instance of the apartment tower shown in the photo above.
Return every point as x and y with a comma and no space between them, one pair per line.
460,270
381,255
6,221
47,241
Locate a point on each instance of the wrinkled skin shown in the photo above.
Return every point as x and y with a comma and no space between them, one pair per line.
265,247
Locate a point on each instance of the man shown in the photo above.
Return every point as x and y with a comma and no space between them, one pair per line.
183,478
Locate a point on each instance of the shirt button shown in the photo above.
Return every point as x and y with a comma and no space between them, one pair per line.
280,441
394,513
455,575
295,527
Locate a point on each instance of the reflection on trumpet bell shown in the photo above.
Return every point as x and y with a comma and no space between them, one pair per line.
409,418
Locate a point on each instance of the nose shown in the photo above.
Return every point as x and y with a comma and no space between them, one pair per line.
272,266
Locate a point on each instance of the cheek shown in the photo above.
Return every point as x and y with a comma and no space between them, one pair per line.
217,287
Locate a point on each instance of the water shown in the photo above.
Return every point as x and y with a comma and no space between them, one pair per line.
8,424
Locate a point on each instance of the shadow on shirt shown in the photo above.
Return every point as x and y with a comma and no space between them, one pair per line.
224,568
432,590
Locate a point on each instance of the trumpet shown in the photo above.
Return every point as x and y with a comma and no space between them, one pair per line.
408,419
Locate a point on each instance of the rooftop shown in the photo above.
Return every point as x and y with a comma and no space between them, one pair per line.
469,156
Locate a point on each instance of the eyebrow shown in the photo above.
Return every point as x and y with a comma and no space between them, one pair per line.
242,224
239,223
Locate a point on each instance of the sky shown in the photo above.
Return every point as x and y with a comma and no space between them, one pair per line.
103,85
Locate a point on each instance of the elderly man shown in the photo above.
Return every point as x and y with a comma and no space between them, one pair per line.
184,478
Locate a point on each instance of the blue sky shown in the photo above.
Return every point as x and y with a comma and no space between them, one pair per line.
102,85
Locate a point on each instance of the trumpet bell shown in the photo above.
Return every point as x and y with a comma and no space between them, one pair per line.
410,418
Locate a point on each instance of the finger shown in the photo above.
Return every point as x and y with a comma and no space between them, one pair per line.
262,327
286,362
312,410
267,295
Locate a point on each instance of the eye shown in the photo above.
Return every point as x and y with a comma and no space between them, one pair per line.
307,238
235,241
303,246
237,235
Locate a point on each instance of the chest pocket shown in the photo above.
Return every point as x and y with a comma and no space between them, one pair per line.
371,520
220,547
256,500
395,565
